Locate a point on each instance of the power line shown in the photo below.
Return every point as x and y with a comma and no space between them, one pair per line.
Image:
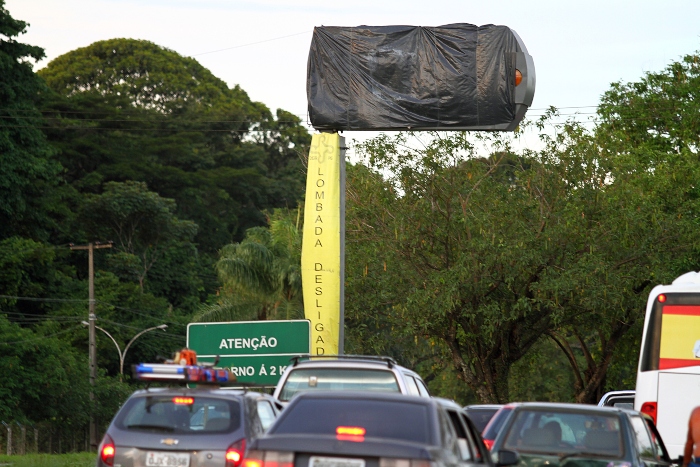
42,337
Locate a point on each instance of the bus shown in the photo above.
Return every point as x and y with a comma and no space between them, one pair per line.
668,375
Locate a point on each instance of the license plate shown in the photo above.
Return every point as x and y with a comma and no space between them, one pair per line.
167,459
317,461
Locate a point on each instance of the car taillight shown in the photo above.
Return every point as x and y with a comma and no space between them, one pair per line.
269,459
488,443
235,453
107,451
391,462
649,408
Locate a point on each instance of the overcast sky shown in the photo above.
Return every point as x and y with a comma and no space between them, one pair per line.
579,47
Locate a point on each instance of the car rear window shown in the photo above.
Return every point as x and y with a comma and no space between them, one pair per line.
337,379
381,419
496,423
561,432
481,416
180,414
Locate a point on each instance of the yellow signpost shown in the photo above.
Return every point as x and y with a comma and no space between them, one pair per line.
323,247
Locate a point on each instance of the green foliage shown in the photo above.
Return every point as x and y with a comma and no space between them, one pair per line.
487,255
82,459
261,276
140,222
27,178
146,74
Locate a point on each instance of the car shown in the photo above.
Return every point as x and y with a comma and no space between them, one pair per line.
481,414
369,429
347,373
624,399
493,427
181,426
542,433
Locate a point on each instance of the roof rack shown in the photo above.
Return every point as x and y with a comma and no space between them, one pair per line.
388,360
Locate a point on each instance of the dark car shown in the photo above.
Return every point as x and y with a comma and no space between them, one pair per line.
369,429
481,414
179,426
498,421
554,434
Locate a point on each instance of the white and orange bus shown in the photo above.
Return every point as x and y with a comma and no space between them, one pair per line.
668,376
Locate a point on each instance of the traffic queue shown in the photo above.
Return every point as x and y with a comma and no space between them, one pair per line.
356,411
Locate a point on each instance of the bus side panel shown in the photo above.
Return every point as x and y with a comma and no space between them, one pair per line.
679,393
646,389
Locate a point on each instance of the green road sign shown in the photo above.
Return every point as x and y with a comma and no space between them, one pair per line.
255,351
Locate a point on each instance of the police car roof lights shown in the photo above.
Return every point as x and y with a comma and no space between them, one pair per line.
165,372
182,371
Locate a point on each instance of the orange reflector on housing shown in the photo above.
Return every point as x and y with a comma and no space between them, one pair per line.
661,298
518,77
183,400
350,430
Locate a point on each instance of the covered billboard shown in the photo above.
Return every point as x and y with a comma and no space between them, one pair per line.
457,76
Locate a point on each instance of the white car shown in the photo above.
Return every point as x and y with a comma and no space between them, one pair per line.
348,373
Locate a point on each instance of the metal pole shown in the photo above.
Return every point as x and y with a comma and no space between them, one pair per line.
93,346
92,352
341,317
121,367
9,438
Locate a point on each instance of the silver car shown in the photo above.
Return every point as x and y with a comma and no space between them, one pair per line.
348,373
183,427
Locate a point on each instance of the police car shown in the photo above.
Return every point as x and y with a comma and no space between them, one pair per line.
204,425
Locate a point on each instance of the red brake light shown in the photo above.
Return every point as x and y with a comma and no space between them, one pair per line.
355,434
183,400
269,459
488,443
107,451
661,298
350,430
649,408
235,453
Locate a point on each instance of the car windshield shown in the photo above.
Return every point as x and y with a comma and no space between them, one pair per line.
180,414
381,419
481,416
565,433
337,379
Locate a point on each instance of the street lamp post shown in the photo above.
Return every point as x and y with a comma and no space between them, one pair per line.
122,355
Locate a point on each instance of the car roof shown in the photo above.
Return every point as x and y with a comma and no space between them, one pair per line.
483,406
358,361
201,391
571,407
364,395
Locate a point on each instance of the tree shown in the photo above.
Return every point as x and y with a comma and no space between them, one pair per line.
28,175
487,255
261,275
140,222
125,109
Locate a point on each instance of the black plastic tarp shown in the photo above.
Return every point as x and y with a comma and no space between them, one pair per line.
410,77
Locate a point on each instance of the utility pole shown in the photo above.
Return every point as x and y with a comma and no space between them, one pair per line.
90,247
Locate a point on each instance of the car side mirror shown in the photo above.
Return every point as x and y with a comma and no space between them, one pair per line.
506,457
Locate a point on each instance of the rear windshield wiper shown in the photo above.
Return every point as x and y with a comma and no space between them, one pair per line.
152,427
